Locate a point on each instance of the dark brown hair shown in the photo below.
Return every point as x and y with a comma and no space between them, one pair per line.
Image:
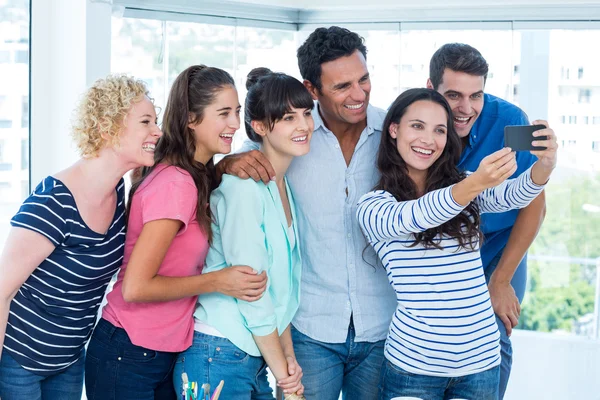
443,173
324,45
270,96
192,91
458,57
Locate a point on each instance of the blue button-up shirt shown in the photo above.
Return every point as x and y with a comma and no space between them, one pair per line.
486,137
341,275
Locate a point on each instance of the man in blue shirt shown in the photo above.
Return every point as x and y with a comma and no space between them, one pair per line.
346,303
458,72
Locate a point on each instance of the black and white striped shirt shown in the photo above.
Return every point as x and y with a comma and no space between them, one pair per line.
53,313
444,324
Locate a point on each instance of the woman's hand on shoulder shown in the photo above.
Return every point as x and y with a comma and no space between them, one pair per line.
241,282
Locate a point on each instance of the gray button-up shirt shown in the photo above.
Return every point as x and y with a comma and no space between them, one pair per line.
340,278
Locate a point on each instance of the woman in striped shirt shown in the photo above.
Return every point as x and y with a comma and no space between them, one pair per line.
66,242
423,222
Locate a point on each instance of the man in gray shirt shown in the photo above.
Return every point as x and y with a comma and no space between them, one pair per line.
346,301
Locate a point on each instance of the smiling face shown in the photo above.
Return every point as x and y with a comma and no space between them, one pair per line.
221,119
290,135
464,93
345,89
420,137
139,135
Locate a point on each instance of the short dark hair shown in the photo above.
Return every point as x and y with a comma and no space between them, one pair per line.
270,96
458,57
327,44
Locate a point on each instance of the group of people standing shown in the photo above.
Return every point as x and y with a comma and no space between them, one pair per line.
346,248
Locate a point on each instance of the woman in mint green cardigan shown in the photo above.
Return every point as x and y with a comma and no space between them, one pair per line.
255,224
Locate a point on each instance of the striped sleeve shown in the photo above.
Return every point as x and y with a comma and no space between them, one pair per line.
46,212
510,194
382,217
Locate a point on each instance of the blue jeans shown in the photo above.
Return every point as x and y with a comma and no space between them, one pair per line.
398,384
116,369
18,383
518,282
352,367
212,359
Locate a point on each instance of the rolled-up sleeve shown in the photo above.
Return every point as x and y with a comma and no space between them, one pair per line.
238,208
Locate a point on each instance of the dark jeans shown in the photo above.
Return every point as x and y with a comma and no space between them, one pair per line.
116,369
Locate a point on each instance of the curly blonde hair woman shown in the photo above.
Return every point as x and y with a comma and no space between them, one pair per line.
67,241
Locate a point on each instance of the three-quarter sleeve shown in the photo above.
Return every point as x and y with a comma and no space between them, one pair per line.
238,209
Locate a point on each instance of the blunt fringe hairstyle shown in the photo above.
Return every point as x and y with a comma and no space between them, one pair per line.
323,45
458,57
270,96
193,90
444,172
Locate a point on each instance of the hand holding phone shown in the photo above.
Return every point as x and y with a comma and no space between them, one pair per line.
547,156
520,137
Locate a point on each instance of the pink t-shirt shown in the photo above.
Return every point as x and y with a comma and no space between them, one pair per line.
167,193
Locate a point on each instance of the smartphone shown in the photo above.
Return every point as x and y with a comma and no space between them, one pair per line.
519,137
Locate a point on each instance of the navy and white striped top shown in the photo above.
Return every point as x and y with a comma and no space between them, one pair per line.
53,313
444,324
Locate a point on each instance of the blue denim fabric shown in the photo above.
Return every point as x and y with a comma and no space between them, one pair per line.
398,384
354,368
212,359
519,283
116,369
18,383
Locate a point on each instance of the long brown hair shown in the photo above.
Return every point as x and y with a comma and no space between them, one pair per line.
192,91
444,172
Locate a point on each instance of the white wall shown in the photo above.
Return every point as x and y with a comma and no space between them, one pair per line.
552,367
70,49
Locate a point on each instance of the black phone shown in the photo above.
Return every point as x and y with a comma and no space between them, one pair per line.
519,137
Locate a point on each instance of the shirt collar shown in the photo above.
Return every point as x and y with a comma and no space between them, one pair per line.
374,119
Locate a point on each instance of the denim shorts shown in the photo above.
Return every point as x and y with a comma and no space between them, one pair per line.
397,383
212,359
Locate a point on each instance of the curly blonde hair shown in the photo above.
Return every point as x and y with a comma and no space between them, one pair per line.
101,112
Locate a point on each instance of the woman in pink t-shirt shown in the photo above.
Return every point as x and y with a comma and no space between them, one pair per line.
149,316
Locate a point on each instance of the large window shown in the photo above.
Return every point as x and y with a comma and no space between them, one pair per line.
14,109
157,51
548,73
563,281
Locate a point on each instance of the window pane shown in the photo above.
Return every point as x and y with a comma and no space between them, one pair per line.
260,47
193,43
136,49
14,109
562,286
496,46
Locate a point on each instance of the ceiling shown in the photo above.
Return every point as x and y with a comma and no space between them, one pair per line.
395,4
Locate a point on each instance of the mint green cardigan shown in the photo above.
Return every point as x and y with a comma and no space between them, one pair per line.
250,228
